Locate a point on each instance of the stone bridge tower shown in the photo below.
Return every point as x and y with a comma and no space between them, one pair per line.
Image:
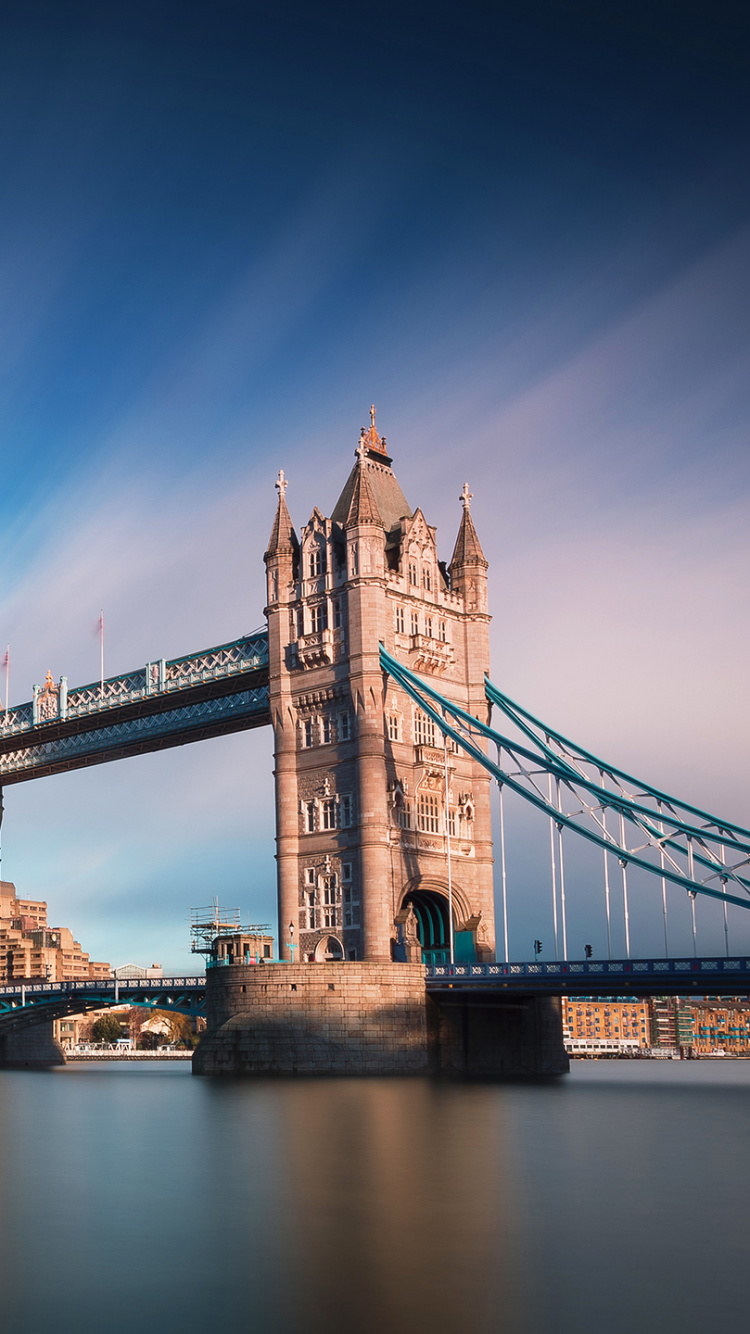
359,770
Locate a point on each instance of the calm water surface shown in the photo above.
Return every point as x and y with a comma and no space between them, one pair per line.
139,1198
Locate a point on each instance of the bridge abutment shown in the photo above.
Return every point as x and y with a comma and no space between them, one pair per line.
370,1018
31,1048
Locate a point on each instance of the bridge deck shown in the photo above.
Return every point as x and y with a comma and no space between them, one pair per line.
23,1004
644,977
166,703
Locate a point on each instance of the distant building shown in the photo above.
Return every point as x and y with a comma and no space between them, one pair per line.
133,972
713,1027
241,947
663,1022
605,1026
29,948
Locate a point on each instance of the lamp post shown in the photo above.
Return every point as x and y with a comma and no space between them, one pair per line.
290,942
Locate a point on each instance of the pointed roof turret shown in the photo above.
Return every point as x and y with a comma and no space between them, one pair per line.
363,507
373,463
468,548
283,539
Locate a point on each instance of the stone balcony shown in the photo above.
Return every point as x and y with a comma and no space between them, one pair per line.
316,649
429,655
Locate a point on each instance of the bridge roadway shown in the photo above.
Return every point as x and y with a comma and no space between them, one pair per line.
166,703
23,1004
712,976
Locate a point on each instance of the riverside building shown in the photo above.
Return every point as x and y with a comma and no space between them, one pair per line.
29,948
605,1026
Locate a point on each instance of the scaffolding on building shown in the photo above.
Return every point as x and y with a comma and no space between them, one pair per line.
209,925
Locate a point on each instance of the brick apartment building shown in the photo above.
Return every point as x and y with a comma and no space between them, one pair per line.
30,948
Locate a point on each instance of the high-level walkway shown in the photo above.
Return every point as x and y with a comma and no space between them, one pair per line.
166,703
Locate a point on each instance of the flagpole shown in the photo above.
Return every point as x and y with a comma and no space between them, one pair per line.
101,652
7,679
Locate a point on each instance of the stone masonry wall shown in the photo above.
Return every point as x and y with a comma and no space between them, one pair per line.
35,1048
315,1019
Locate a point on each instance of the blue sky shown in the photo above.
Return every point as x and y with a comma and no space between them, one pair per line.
523,230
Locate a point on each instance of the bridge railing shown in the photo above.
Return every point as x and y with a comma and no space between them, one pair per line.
614,968
103,986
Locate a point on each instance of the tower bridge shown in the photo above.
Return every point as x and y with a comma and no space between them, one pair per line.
373,670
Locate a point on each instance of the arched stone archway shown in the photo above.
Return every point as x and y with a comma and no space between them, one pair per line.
429,901
329,950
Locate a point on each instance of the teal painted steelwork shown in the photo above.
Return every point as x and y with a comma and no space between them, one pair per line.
166,703
469,732
23,1004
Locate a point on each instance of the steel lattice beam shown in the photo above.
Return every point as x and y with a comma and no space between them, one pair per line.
169,703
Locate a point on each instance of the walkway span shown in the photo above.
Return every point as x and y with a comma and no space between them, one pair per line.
166,703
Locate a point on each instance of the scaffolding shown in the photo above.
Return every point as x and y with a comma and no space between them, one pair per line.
209,925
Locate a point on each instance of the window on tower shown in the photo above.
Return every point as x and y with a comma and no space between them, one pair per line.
426,577
329,813
345,727
319,615
310,817
399,620
429,813
413,580
317,562
345,811
424,729
394,727
309,732
415,623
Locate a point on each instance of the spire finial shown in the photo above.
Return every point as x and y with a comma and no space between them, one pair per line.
466,496
370,438
281,484
361,450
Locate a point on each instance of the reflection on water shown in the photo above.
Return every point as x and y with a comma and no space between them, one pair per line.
614,1199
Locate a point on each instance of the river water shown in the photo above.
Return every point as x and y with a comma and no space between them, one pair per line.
135,1197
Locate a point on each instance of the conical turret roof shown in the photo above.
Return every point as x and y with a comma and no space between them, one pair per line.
283,538
468,548
373,472
363,507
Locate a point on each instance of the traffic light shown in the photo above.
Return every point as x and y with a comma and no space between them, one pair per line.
588,951
537,948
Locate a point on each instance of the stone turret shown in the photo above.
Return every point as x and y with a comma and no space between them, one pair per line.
282,570
468,567
360,774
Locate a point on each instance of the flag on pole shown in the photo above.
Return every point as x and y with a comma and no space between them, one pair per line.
6,664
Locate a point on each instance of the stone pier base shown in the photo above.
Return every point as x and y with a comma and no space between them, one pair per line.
314,1019
371,1018
482,1037
31,1048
